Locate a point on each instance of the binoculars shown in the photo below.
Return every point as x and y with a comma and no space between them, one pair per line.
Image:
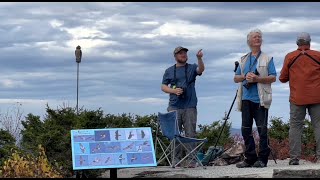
183,93
184,89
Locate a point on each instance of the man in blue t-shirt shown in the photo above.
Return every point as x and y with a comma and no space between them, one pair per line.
179,82
255,74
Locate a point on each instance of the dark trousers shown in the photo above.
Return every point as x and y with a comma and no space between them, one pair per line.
250,111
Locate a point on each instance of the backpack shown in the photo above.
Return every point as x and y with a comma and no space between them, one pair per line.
212,154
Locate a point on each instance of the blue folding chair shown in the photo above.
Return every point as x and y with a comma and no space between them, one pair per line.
168,125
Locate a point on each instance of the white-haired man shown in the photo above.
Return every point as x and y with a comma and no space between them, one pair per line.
255,74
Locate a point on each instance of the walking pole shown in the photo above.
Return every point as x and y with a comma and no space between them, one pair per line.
225,119
236,64
227,115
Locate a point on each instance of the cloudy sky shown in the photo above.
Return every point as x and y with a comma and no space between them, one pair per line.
127,47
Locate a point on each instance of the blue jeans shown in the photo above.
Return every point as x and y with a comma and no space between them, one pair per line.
250,111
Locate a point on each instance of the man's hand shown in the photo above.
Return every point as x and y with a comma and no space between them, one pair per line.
200,67
251,77
178,91
199,54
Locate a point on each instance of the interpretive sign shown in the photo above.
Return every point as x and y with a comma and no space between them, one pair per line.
112,148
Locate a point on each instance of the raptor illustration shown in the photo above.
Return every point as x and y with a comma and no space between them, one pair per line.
130,146
96,160
103,136
130,135
142,134
82,148
139,149
81,160
133,158
108,159
117,135
121,158
146,157
97,148
145,143
114,147
83,138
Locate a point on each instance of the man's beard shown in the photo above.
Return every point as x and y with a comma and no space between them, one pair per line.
182,61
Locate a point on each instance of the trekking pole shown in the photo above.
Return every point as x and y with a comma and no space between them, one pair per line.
236,64
226,115
225,119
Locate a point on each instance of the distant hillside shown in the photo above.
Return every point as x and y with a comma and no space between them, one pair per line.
234,131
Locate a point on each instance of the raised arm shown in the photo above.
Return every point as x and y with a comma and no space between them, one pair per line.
200,68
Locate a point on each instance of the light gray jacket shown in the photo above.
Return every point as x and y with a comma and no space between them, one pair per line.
264,90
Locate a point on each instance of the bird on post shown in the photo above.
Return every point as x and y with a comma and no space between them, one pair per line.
78,54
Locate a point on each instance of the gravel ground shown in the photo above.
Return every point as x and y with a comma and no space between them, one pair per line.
230,171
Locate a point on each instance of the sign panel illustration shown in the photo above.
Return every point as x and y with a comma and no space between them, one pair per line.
112,148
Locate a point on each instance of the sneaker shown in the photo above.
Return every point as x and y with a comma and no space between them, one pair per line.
243,164
294,162
259,164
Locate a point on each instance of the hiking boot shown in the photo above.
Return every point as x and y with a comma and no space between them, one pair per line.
294,162
259,164
243,164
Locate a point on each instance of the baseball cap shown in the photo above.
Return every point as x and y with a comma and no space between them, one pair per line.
304,36
178,49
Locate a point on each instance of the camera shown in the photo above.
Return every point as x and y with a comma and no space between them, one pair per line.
246,84
184,91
